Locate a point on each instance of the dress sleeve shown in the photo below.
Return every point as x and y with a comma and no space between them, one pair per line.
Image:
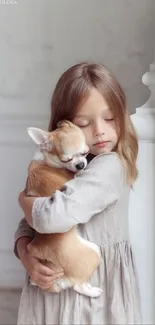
23,230
89,193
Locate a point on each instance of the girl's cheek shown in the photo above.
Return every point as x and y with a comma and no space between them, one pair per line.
85,132
88,137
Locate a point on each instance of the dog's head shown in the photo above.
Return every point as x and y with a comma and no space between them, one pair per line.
63,148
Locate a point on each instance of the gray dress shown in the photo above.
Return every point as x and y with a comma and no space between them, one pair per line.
97,201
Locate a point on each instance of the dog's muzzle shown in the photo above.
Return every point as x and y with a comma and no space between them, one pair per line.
80,166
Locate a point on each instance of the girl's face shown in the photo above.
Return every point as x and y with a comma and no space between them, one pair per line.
97,122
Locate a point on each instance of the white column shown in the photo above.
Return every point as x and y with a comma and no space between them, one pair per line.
142,200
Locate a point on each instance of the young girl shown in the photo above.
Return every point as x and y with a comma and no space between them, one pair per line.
96,200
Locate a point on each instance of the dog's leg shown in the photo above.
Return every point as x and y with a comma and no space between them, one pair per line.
58,286
87,290
90,245
84,289
32,282
63,284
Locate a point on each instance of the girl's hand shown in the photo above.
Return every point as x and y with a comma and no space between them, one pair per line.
40,274
43,276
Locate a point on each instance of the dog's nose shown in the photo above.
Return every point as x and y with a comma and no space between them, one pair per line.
80,166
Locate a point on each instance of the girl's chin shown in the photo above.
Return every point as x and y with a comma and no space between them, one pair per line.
95,150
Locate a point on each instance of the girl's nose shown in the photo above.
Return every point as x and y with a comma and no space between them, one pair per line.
98,129
98,133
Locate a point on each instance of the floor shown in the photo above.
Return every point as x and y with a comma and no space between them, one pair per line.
9,300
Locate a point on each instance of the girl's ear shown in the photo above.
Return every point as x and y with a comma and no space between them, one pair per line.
41,138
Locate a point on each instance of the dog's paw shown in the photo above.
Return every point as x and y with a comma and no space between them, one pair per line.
32,282
96,292
87,290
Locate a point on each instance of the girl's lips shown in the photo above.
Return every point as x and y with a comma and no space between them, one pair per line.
101,144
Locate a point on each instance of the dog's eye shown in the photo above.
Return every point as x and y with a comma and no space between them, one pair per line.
85,153
66,161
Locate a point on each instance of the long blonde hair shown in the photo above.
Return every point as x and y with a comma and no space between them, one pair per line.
73,89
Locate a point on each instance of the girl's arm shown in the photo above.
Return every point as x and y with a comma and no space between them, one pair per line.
23,231
89,193
39,273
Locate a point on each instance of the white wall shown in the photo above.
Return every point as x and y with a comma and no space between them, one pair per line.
38,41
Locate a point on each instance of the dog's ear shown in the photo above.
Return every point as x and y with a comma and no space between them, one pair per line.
38,136
63,123
41,138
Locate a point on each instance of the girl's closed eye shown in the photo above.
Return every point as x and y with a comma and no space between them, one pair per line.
82,124
109,119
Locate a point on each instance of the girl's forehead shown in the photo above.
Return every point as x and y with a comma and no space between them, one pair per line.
85,113
94,104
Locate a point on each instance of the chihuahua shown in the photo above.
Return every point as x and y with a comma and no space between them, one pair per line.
62,154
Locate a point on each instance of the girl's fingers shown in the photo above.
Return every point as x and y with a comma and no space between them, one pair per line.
46,286
47,271
43,287
47,281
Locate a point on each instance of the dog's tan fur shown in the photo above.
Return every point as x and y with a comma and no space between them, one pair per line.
66,250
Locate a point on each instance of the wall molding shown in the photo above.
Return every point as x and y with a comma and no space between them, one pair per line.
24,119
13,128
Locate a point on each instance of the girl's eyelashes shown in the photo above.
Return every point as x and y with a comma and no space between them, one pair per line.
86,125
109,119
83,126
82,123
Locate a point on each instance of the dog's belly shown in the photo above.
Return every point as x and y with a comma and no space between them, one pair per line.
78,257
